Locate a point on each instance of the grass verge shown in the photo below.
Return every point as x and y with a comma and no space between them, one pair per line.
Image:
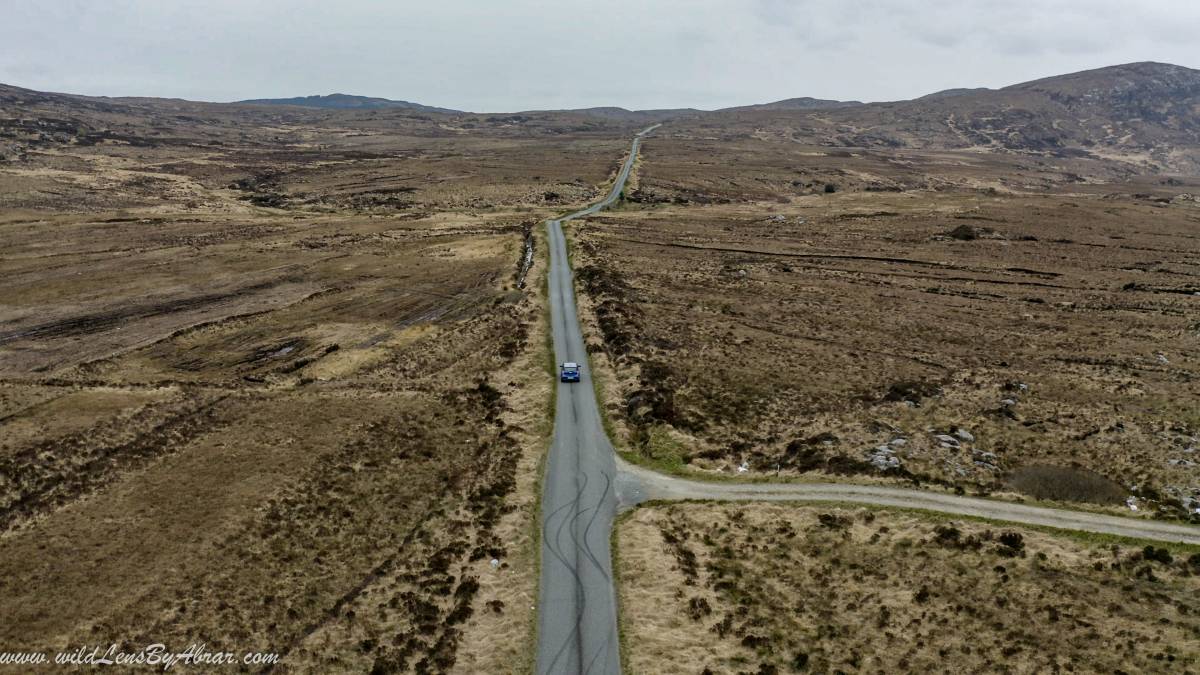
529,663
1092,538
545,433
622,626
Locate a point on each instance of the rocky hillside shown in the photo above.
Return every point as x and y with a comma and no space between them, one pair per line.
1144,113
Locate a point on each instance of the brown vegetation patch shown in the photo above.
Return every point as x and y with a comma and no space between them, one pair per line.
783,588
1066,483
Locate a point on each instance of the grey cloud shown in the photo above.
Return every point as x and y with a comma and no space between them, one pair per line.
524,54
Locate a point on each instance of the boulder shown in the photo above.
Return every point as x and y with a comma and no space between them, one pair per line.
947,441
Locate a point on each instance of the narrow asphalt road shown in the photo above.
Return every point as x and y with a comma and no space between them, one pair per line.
586,483
577,623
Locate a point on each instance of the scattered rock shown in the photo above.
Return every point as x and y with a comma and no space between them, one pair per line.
947,441
964,435
986,460
884,458
981,455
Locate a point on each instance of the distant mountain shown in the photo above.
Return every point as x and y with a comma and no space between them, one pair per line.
1145,113
347,102
607,112
802,103
625,115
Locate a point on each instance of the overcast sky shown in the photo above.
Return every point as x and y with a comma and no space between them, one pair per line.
507,55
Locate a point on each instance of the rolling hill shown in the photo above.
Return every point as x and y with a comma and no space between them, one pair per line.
1145,113
346,102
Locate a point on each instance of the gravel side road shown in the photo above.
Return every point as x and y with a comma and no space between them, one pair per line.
639,484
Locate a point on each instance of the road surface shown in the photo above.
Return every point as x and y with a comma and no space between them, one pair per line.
586,483
640,484
577,622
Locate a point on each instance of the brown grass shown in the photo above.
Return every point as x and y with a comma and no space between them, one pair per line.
777,588
277,392
746,313
1068,484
